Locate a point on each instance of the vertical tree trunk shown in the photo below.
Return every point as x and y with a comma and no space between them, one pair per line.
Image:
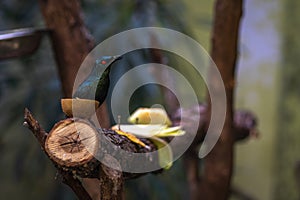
219,162
70,39
71,43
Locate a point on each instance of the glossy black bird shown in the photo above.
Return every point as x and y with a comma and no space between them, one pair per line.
95,86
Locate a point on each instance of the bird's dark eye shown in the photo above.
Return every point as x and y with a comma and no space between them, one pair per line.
103,62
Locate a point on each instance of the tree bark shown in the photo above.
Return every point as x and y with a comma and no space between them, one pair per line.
71,43
67,177
70,39
218,164
65,149
112,180
74,144
70,144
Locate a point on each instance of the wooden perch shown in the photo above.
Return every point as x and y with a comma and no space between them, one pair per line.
112,183
73,142
67,176
66,146
34,126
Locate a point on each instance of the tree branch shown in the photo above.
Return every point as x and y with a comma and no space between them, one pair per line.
35,127
68,177
111,181
244,123
111,184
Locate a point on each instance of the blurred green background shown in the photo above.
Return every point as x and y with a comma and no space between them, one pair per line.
267,84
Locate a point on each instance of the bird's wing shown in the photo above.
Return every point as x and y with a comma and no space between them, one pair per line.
87,89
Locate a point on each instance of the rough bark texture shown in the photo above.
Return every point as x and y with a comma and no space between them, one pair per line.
71,43
66,146
218,164
70,167
72,144
67,142
67,176
112,180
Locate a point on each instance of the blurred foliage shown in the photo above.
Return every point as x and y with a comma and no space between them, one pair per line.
258,84
16,14
288,146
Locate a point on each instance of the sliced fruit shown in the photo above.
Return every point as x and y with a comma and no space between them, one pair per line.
165,154
82,108
150,116
150,130
133,138
140,130
171,131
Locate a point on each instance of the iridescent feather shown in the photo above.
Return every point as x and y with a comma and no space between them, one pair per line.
95,86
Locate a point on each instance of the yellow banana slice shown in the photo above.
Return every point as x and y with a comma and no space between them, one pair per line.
165,154
132,137
150,116
150,130
170,131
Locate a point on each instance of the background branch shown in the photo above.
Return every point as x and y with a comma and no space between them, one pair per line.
218,164
111,180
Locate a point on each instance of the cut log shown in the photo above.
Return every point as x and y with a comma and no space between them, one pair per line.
71,144
75,144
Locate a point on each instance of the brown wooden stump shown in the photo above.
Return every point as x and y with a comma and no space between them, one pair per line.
71,144
74,144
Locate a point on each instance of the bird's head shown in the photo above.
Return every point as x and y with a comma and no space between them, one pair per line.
107,60
104,62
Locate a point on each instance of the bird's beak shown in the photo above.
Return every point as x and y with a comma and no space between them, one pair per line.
117,57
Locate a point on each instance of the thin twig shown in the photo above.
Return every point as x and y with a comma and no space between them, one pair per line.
41,135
